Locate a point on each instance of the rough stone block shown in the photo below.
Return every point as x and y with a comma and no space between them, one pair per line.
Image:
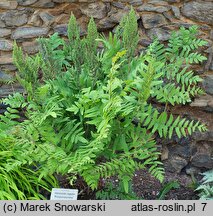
30,47
5,32
15,18
149,7
153,20
29,32
208,84
199,10
4,4
96,10
6,45
26,2
6,60
44,4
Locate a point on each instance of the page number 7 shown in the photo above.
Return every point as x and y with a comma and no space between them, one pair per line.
204,206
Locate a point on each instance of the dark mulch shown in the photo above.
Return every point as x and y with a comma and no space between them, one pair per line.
148,188
144,185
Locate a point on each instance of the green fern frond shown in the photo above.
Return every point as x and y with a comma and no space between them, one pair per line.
166,126
206,187
73,31
130,36
91,37
28,68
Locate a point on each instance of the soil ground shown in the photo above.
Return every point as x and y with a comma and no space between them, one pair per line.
145,186
148,187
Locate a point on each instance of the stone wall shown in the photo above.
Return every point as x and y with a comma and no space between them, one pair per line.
25,20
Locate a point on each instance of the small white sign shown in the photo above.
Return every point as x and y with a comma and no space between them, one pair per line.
64,194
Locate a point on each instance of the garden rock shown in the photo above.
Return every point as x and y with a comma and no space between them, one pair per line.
16,18
202,101
8,68
8,4
61,29
4,77
208,84
202,161
199,10
31,47
206,136
96,10
4,32
35,19
2,24
6,90
6,60
173,1
153,20
26,2
6,45
47,18
62,19
176,164
160,33
176,11
105,24
117,16
183,151
149,7
118,5
44,4
29,32
136,2
64,1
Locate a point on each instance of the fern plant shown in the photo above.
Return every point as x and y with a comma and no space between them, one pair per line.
167,188
91,115
128,32
180,84
206,187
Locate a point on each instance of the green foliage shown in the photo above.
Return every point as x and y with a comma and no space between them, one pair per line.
182,45
166,188
18,179
52,57
91,42
166,126
23,184
89,113
73,30
116,192
28,68
128,30
179,84
74,48
206,188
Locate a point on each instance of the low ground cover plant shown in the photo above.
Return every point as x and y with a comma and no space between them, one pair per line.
206,187
87,109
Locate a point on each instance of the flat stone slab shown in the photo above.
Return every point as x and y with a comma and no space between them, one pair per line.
199,10
29,32
5,4
6,45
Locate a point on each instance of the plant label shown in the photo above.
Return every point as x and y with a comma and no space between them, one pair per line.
64,194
